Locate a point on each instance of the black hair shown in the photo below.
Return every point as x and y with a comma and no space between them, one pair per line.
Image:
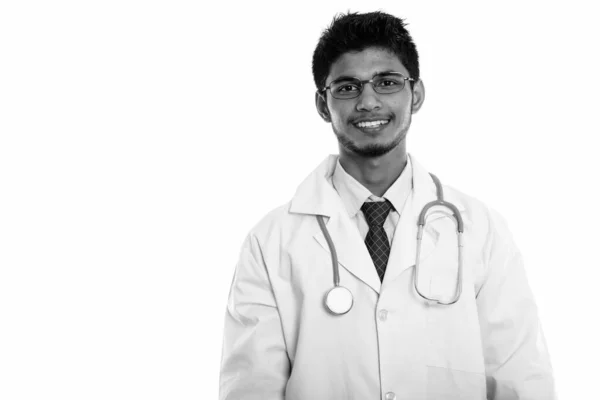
355,32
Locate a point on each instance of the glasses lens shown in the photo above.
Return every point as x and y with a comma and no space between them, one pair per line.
346,89
388,83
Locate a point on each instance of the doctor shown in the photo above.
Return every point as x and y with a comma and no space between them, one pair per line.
282,340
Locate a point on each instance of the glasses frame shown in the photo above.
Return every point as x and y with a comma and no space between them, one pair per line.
364,82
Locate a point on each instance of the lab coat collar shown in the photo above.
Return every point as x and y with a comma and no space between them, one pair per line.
316,196
354,194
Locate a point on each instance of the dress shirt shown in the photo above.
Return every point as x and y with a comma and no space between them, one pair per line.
354,194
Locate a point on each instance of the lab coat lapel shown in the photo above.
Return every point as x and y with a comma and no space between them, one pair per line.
316,196
403,252
351,250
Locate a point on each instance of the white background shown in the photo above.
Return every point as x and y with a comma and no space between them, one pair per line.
141,140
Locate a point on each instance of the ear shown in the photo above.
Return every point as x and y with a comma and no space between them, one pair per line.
418,96
322,109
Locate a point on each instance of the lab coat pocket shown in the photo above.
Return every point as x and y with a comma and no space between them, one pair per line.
455,367
454,339
453,384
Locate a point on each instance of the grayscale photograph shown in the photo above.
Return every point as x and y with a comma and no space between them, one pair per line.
335,200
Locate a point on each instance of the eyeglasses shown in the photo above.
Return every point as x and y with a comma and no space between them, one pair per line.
346,88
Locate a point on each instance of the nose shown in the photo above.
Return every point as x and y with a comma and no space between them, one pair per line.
368,99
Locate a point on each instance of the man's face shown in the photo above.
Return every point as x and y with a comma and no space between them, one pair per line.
395,108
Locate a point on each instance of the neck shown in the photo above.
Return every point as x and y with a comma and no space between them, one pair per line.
377,174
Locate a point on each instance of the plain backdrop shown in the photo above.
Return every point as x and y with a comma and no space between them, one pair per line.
140,141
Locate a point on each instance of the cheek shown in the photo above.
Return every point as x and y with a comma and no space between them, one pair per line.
339,115
337,120
401,109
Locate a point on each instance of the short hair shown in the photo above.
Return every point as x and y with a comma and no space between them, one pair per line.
354,32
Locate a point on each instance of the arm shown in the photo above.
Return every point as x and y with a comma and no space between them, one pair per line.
516,358
254,361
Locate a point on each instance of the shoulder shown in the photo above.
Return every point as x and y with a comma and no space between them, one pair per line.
472,206
274,223
482,218
485,228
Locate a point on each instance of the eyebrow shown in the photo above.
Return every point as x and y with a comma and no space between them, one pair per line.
348,77
343,78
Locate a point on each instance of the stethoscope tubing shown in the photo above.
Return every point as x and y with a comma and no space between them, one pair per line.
334,259
421,224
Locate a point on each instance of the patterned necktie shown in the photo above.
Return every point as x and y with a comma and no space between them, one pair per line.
376,240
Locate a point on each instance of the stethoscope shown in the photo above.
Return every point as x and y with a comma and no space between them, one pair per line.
339,299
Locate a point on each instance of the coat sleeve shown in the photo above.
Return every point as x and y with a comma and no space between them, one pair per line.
254,362
516,357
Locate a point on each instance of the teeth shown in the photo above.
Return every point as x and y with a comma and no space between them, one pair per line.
371,124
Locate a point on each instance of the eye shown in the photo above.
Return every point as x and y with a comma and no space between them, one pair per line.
347,88
387,82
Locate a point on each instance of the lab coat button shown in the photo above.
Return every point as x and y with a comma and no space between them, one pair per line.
383,315
390,396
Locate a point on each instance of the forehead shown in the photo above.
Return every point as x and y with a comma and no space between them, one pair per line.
364,64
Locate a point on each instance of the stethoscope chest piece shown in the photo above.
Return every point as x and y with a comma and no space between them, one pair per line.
339,300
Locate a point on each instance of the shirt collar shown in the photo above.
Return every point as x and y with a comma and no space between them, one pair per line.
354,194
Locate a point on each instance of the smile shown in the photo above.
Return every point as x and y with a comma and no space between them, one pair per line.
372,124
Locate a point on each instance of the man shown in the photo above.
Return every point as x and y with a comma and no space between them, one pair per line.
353,225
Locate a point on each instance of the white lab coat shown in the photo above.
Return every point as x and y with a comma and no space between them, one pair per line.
280,342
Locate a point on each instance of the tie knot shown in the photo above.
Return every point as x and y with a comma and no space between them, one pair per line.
376,212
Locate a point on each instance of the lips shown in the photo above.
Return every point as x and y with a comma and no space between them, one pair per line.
372,124
371,121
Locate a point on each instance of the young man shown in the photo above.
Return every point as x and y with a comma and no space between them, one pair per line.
415,313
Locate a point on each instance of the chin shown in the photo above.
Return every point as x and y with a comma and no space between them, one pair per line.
369,150
369,146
